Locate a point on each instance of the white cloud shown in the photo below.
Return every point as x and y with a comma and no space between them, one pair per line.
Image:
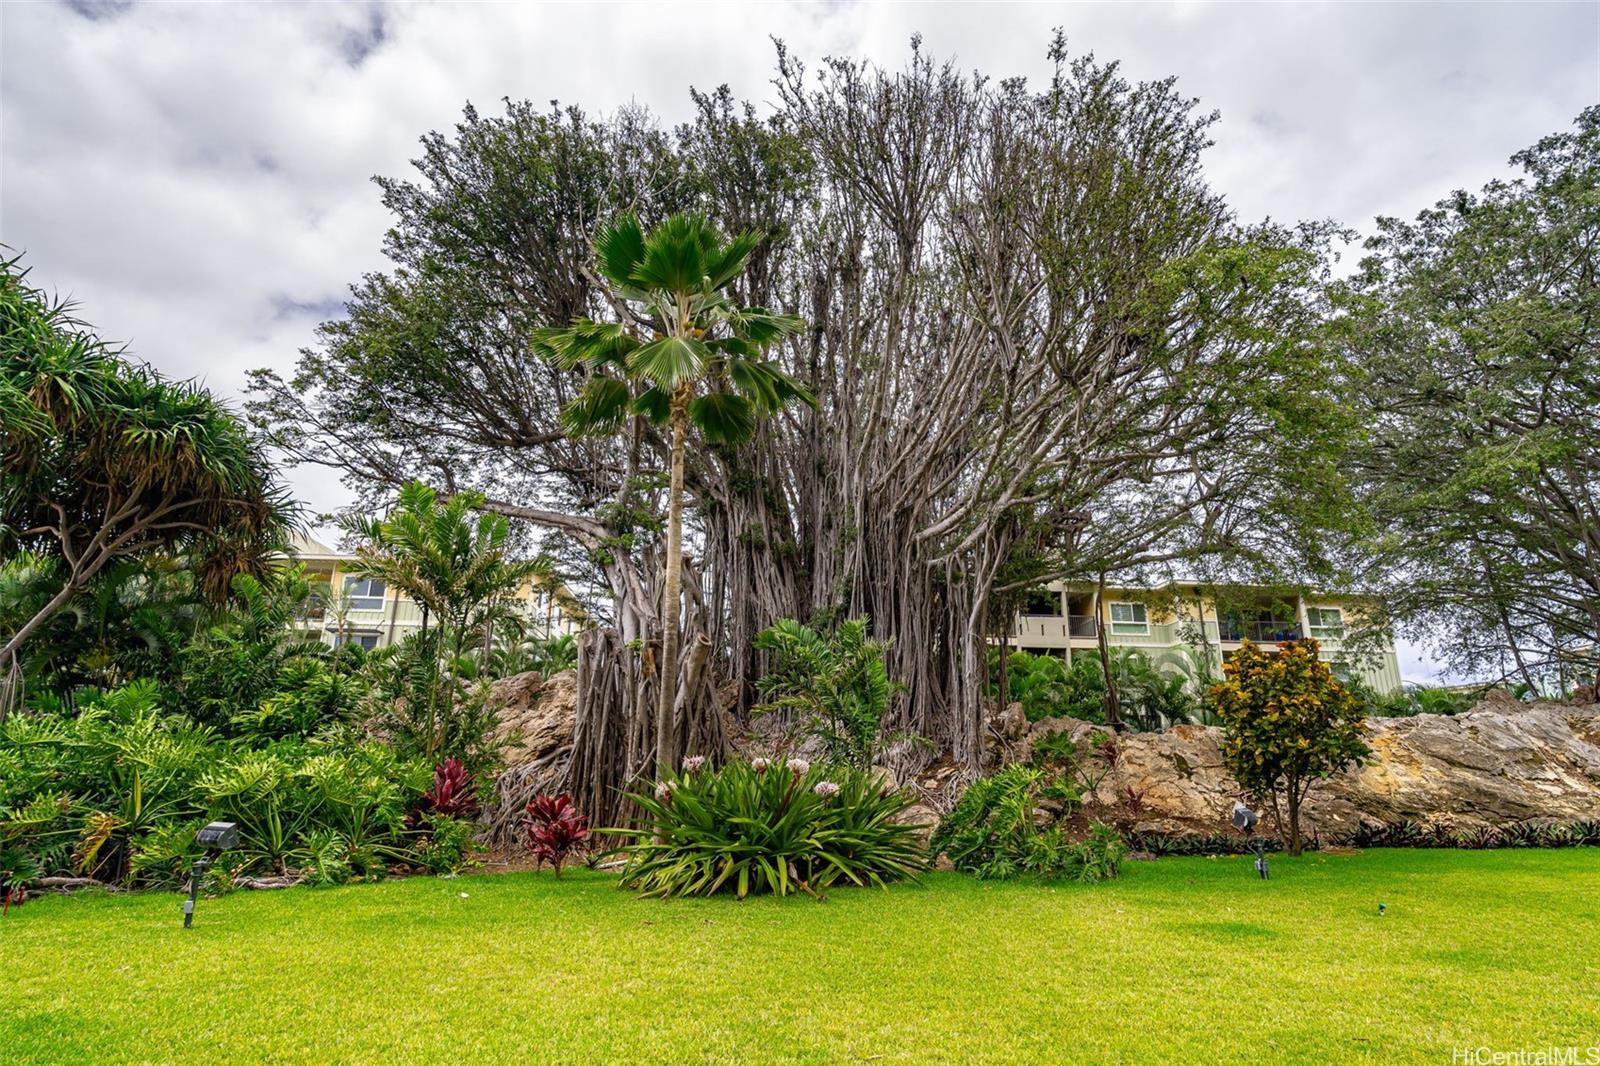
197,175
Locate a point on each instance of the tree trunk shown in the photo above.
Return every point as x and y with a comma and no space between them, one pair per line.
1113,707
10,690
1295,845
672,599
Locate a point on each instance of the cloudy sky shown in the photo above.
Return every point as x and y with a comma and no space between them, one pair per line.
197,176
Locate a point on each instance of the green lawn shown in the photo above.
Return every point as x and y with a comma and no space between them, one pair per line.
1181,960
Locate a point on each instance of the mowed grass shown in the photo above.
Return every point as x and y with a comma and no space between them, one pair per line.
1189,960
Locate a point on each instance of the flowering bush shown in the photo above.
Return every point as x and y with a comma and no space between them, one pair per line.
555,829
749,827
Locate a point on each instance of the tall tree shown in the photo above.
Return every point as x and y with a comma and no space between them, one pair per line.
695,357
1474,334
104,460
1028,314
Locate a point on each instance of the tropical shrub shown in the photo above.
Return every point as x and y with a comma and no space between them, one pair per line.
1049,687
555,829
1409,834
992,834
449,846
452,793
458,567
117,792
753,827
1287,723
836,682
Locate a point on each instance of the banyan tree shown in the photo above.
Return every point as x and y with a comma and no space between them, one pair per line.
1040,346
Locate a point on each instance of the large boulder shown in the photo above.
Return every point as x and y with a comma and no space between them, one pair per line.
1501,763
536,714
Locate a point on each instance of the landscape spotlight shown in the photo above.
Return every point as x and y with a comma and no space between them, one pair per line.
1244,820
215,838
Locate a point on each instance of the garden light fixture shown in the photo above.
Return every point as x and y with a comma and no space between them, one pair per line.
215,838
1244,820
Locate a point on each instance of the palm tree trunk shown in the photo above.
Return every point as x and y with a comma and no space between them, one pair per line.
1113,706
672,597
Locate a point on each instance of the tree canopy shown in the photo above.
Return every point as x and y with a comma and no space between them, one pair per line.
1039,343
1474,344
103,459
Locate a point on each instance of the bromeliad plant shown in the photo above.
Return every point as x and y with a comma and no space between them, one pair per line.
753,827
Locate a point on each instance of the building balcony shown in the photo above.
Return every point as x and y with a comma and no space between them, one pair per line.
1056,627
1262,631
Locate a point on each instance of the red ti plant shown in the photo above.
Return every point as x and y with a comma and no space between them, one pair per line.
452,793
13,896
555,829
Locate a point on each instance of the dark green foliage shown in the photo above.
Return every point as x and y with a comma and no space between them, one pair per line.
459,568
117,792
753,827
1161,844
1048,686
991,833
835,682
1408,834
1474,340
1411,701
104,460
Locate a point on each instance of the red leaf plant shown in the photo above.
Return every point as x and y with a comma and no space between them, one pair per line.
452,793
555,829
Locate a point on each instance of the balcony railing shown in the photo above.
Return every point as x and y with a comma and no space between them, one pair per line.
1056,626
1267,631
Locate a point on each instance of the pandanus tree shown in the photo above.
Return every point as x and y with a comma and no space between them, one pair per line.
102,460
683,355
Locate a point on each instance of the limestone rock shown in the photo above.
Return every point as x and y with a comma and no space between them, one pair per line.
537,714
924,818
1501,763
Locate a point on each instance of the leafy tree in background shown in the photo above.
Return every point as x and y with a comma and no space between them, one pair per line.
1474,334
684,354
104,460
458,567
1287,724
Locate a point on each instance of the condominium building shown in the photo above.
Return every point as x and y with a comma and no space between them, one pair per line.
355,609
1195,628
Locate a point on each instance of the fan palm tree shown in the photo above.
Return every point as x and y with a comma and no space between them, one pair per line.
685,354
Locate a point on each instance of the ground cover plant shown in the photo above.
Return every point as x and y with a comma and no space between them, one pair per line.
1191,960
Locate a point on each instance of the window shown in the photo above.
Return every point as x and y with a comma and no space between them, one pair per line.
1129,618
364,593
367,641
1325,622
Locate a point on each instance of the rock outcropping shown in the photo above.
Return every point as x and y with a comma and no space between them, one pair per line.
1499,764
537,714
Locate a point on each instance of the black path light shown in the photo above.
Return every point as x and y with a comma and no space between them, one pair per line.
1244,820
215,838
